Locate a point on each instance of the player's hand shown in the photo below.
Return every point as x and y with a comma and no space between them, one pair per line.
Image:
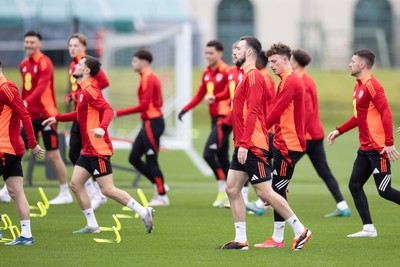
332,136
67,99
49,121
209,99
180,115
398,130
242,155
73,97
98,132
115,114
392,153
38,152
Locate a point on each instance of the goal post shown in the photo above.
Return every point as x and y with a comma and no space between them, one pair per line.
172,62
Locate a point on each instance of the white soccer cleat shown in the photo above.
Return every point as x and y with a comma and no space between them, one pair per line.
365,233
159,201
97,201
148,220
62,199
220,200
4,196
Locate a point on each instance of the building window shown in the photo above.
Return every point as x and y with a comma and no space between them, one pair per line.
235,19
373,22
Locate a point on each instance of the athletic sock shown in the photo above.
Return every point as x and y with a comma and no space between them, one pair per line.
64,189
221,186
297,226
245,194
26,228
240,231
135,206
368,227
342,205
90,218
279,231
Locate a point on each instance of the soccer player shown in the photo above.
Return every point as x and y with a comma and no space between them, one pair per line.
77,44
214,80
38,95
249,159
373,118
147,141
94,114
288,118
258,207
12,112
315,133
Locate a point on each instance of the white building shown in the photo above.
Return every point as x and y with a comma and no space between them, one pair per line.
329,29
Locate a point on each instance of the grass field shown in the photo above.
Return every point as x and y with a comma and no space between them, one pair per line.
186,233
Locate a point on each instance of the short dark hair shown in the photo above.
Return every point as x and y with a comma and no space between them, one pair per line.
93,64
262,60
302,57
253,42
217,44
279,49
33,33
367,55
81,38
144,55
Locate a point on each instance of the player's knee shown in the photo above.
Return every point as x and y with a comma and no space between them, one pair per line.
353,186
134,160
385,194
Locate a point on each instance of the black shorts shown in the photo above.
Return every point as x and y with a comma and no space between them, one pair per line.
97,166
256,165
49,134
10,165
284,165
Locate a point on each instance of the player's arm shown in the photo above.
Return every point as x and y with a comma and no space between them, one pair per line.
45,70
99,103
147,85
195,100
380,102
308,107
345,127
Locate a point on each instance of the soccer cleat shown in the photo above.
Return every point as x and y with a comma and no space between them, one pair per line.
339,213
301,241
159,201
365,233
235,245
220,200
97,201
254,209
88,230
227,204
270,243
61,199
148,219
21,241
4,196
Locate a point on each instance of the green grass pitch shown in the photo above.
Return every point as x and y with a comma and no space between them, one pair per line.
187,232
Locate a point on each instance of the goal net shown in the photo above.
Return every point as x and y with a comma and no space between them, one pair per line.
172,62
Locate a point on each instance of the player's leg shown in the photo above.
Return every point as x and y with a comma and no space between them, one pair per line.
154,129
50,140
14,181
138,150
383,177
316,152
210,156
362,169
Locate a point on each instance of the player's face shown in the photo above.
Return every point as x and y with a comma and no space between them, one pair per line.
80,69
32,44
355,66
75,47
212,55
137,64
277,63
239,53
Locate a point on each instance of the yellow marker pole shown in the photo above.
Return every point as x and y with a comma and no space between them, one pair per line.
44,198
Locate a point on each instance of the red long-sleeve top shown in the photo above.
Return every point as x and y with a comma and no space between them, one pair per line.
38,86
92,112
12,112
372,115
271,92
288,114
313,126
213,82
149,95
249,110
100,80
